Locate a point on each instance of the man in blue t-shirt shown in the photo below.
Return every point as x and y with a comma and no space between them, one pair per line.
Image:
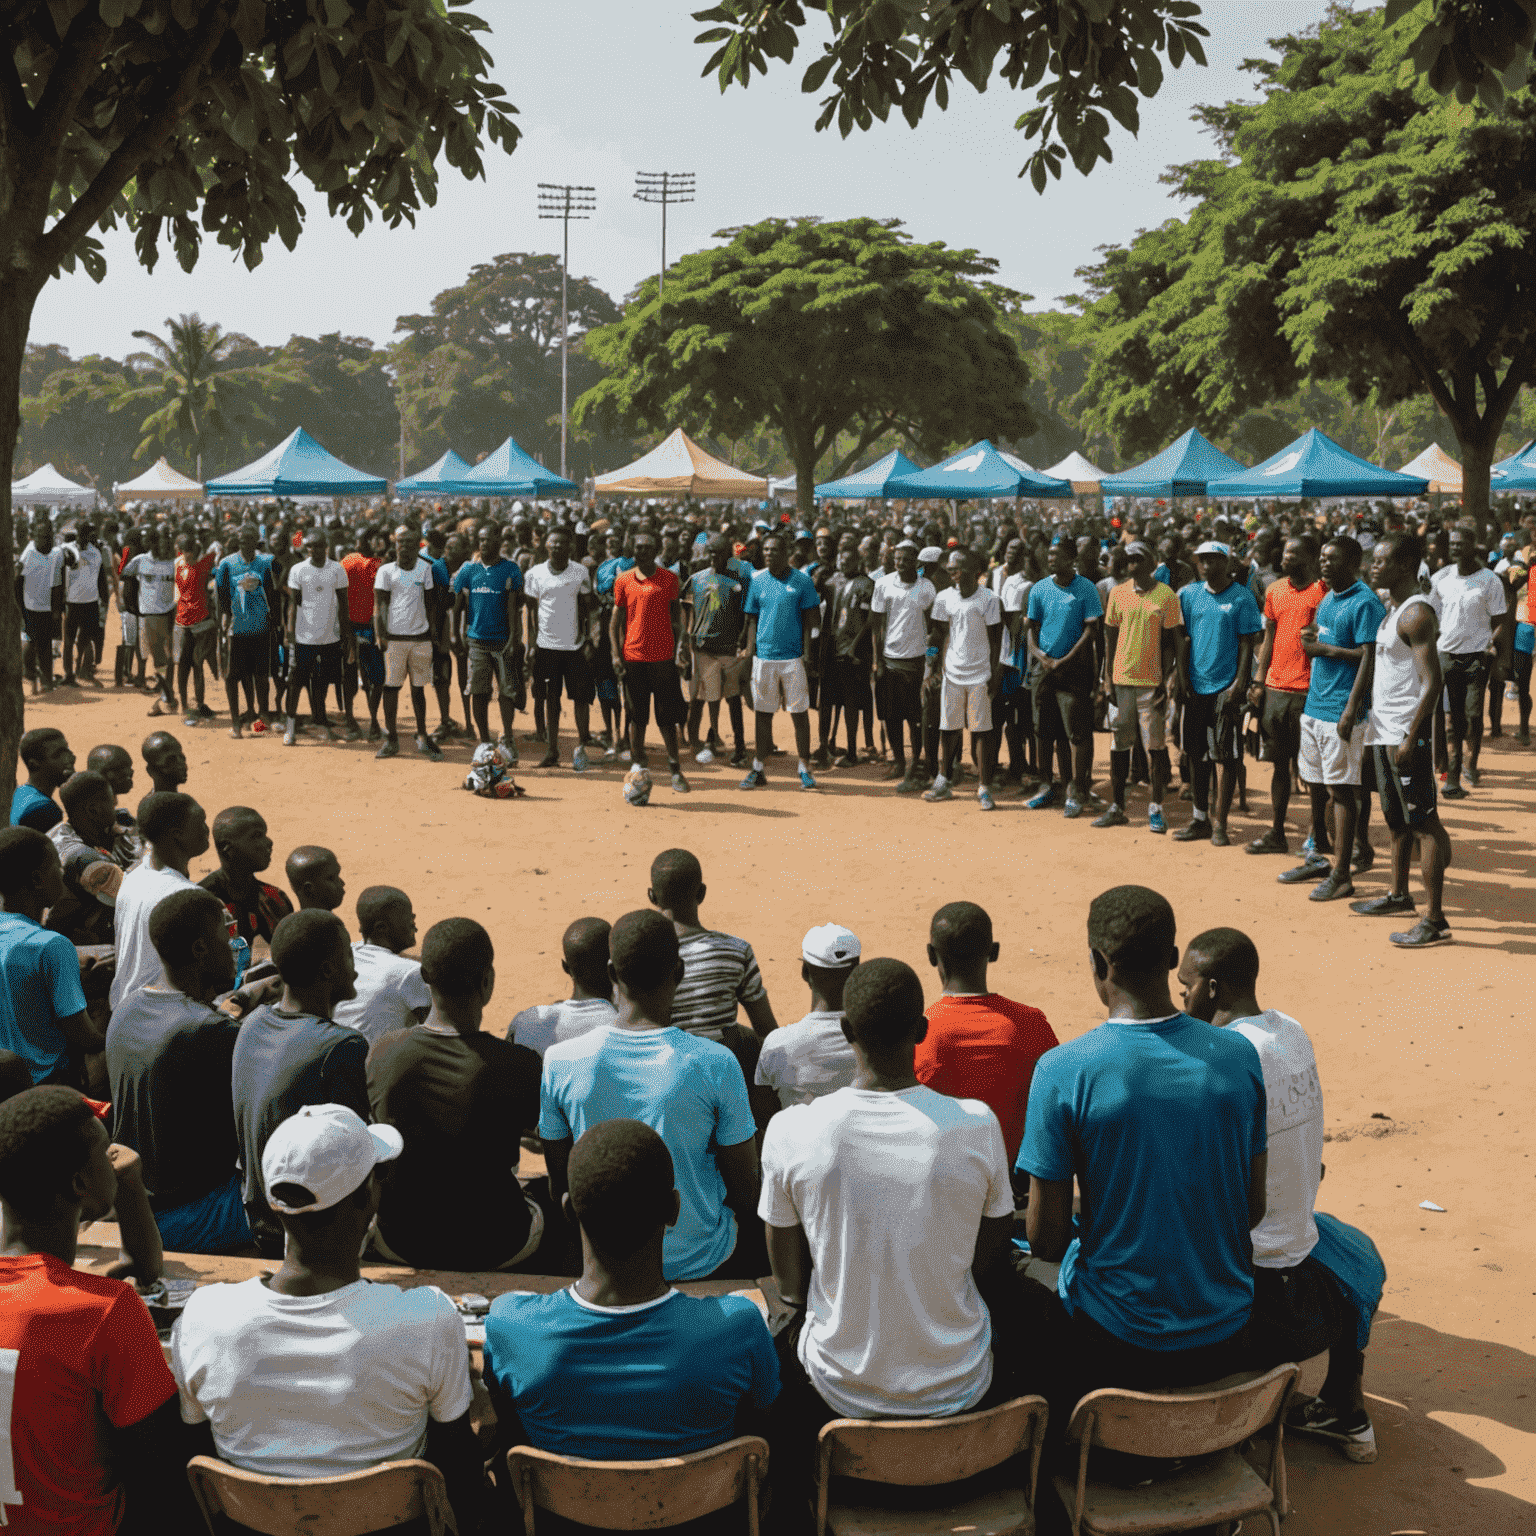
1339,642
1061,624
487,606
1161,1121
46,756
620,1366
781,606
1215,656
247,603
689,1090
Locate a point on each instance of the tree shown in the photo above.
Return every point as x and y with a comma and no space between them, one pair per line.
1355,228
1058,351
342,390
68,420
486,362
186,117
818,330
1088,58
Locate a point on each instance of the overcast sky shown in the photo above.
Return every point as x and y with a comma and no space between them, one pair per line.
606,89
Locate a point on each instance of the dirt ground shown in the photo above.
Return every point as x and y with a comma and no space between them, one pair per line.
1413,1111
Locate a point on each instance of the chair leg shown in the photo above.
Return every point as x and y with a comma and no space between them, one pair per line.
1274,1520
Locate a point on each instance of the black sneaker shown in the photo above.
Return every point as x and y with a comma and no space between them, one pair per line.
1311,869
1453,792
1385,906
1423,934
1219,838
1196,831
1352,1433
1271,842
1364,859
1334,888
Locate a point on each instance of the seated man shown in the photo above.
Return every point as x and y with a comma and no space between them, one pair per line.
175,831
584,958
313,1371
1162,1125
1300,1306
93,864
979,1045
92,1442
886,1203
169,1054
462,1099
315,876
388,992
813,1056
240,839
115,765
292,1052
620,1366
46,756
689,1090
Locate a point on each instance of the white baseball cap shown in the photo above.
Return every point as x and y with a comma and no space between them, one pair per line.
930,555
328,1150
830,946
1214,547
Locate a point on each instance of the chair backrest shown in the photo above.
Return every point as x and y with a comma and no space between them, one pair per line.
927,1452
1173,1424
351,1504
640,1495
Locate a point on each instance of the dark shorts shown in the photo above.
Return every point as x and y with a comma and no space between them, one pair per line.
370,659
570,668
1280,725
250,656
1063,704
658,680
1207,732
442,667
316,666
196,641
214,1223
899,694
86,617
41,628
490,660
846,682
1297,1313
1408,795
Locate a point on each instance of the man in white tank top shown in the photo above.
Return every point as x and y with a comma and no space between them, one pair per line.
1406,685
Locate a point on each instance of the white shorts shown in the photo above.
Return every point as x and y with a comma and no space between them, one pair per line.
779,685
1326,759
964,706
408,656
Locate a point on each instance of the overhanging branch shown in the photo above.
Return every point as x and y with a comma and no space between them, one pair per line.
80,56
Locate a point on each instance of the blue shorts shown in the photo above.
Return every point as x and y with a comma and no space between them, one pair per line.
370,659
213,1224
1525,639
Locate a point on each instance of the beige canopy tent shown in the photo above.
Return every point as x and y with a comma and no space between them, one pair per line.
676,467
158,483
1083,474
1439,468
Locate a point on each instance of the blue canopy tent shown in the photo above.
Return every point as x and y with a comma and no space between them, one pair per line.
509,471
298,466
1515,474
976,472
1315,465
1183,468
430,481
871,482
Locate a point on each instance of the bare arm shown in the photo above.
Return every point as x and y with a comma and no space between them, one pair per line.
743,1178
1266,651
789,1257
82,1035
760,1016
1258,1200
749,644
1048,1223
616,638
992,1239
1111,645
142,1254
1359,695
1420,630
807,649
557,1161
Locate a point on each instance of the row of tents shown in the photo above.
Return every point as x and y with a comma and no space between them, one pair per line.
1313,466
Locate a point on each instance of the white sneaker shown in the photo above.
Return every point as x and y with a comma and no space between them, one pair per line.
704,757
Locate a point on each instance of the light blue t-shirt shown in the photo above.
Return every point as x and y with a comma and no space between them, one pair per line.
39,985
664,1378
690,1091
28,800
1063,612
777,603
1160,1121
608,573
1215,622
488,586
1349,618
243,587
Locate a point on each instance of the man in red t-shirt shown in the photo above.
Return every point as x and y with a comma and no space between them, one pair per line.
196,630
361,566
94,1441
1281,674
979,1045
644,631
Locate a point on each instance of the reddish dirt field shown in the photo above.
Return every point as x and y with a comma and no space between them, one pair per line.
1437,1043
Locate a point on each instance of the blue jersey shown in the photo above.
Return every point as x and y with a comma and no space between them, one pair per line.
1349,620
1216,623
245,592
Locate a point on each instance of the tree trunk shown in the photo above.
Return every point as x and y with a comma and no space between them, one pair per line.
1476,461
805,481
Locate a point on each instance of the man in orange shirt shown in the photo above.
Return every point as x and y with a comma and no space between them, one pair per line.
362,566
644,632
1281,676
196,629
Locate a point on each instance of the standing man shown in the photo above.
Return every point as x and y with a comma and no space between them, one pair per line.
487,619
85,588
316,589
361,566
247,601
644,631
1406,685
40,596
781,608
968,624
405,604
1469,604
561,643
900,606
847,653
1282,675
714,604
1014,711
1215,655
195,639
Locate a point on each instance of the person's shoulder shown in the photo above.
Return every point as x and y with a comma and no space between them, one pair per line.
562,1053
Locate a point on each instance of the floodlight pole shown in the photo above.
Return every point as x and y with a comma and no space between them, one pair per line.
663,187
557,200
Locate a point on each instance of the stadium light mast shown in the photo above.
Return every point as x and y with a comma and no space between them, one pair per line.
557,200
664,187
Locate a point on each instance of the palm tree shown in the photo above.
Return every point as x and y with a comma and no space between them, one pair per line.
202,387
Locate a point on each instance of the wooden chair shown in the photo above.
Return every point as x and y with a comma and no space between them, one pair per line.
350,1504
1207,1424
640,1495
928,1453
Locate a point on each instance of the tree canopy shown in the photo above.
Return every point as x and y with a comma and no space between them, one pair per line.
819,330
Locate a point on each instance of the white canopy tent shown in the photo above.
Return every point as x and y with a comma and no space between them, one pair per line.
159,483
46,487
1084,475
1439,468
678,466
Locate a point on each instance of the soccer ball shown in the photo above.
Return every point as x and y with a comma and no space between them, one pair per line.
637,785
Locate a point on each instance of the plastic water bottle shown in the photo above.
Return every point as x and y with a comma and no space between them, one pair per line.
242,953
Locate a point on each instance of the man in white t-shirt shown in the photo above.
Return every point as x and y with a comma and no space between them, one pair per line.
155,573
813,1057
967,620
389,992
900,607
1469,601
1013,709
884,1203
584,958
40,572
406,615
316,634
314,1371
558,595
174,828
85,587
